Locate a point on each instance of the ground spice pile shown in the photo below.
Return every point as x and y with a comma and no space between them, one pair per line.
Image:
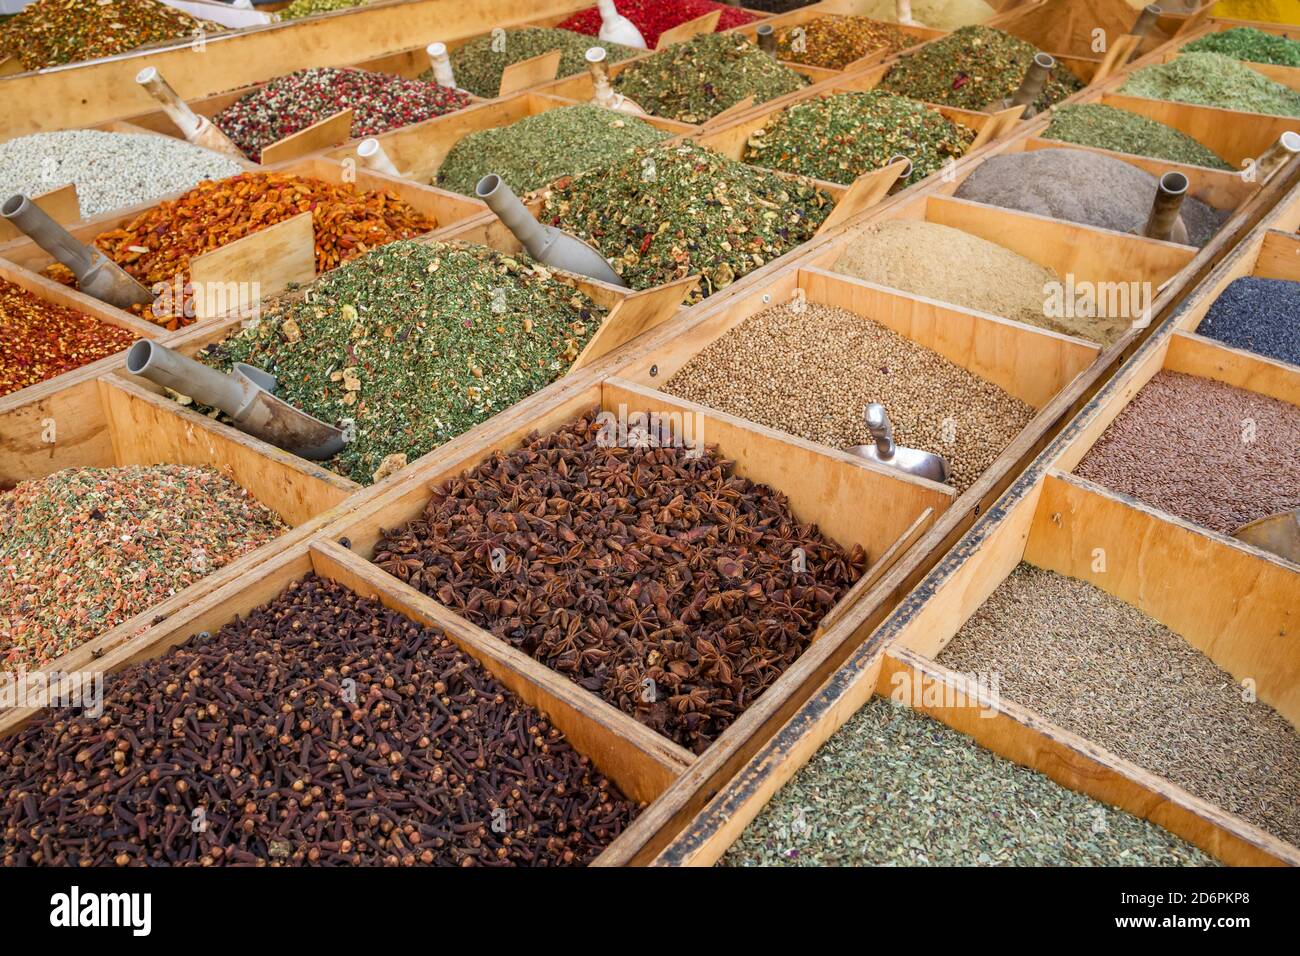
39,339
1259,315
1084,187
668,212
653,17
85,549
1212,79
894,787
478,64
288,104
778,6
974,68
940,14
654,577
414,344
1104,670
310,8
835,42
696,80
838,138
1105,127
1216,455
51,32
538,150
1247,43
322,729
810,370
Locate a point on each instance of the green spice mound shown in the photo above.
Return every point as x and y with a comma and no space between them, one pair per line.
1212,79
1247,43
538,150
478,64
668,212
415,343
840,137
1105,127
696,80
895,787
310,8
973,69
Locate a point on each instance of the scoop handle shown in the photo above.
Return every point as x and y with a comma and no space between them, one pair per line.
171,369
36,223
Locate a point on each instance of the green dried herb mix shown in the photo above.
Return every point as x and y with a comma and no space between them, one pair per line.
1212,79
478,64
1247,43
1105,127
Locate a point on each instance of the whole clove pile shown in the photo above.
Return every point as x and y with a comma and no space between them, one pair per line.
478,64
654,577
51,32
322,729
1212,79
653,17
835,42
1105,127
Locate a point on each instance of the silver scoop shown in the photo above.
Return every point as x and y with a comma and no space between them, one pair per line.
1164,222
246,395
1031,86
96,273
1277,534
913,461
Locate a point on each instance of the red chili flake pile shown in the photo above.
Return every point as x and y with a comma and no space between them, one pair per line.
380,102
85,549
51,32
39,339
653,17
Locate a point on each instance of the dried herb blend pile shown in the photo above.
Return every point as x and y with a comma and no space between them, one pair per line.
322,729
835,42
1247,43
940,14
696,80
1212,79
51,32
289,104
40,339
310,8
87,548
1104,670
1105,127
653,17
478,64
974,69
1159,451
810,370
1080,186
655,578
895,787
838,138
538,150
668,212
415,344
1259,315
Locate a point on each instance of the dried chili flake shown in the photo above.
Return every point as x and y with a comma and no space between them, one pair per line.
653,17
835,42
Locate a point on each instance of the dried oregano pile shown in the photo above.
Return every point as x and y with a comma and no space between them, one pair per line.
414,344
310,8
1105,127
838,138
538,150
667,212
1212,79
1247,43
698,79
478,64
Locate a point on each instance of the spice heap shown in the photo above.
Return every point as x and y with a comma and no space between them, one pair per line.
655,578
1247,43
1212,79
778,6
157,245
653,17
974,69
288,104
87,548
895,787
415,344
696,80
110,170
538,150
835,42
1216,455
322,729
51,32
1266,11
310,8
838,138
1104,670
1080,186
940,14
668,212
1259,315
810,370
39,339
1105,127
478,64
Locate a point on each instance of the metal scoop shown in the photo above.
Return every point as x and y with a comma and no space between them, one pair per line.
96,273
1278,534
913,461
1031,86
246,395
1164,222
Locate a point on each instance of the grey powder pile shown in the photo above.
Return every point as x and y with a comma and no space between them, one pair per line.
1104,670
110,170
894,787
1082,187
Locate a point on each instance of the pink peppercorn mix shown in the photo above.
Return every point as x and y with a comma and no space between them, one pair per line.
653,17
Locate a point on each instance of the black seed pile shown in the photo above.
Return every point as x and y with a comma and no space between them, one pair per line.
1258,315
